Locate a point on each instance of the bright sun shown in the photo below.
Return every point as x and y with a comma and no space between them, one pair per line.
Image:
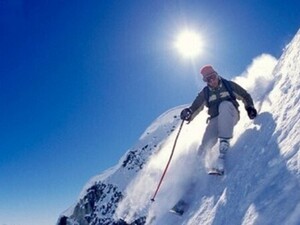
189,44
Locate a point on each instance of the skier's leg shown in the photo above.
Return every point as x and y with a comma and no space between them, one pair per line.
210,137
223,148
227,119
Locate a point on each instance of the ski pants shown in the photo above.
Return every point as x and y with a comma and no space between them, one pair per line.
220,126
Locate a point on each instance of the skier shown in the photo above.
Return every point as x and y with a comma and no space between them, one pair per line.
220,97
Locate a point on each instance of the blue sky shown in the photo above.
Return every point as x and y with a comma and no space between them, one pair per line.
81,80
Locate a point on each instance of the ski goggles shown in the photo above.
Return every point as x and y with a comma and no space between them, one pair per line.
210,78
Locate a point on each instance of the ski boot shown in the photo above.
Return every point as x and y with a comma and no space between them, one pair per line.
219,167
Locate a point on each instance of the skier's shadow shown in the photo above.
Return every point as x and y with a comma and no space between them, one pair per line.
258,183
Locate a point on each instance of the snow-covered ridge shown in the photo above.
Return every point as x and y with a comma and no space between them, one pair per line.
262,183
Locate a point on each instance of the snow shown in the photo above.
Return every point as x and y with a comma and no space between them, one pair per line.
262,181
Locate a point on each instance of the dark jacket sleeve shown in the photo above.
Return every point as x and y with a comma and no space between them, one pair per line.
242,94
198,104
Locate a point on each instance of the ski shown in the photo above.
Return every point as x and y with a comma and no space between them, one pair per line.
215,171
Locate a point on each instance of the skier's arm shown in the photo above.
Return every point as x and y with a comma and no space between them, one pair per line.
242,94
197,105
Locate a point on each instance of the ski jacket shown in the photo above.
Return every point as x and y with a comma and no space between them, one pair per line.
214,97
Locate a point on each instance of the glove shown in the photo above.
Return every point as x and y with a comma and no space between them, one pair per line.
252,113
186,114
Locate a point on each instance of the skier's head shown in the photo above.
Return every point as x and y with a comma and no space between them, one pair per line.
207,71
210,76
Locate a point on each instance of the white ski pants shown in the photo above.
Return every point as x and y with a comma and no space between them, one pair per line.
220,126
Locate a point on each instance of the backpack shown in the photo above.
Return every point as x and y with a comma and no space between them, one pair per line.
227,86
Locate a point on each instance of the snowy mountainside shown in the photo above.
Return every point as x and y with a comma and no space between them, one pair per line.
262,181
99,198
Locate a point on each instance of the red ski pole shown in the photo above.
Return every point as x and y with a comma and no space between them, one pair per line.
167,166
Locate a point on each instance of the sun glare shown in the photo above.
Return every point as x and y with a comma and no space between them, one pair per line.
189,44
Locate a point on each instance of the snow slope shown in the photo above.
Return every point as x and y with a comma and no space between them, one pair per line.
262,181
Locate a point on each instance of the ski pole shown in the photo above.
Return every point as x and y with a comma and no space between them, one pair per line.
167,166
